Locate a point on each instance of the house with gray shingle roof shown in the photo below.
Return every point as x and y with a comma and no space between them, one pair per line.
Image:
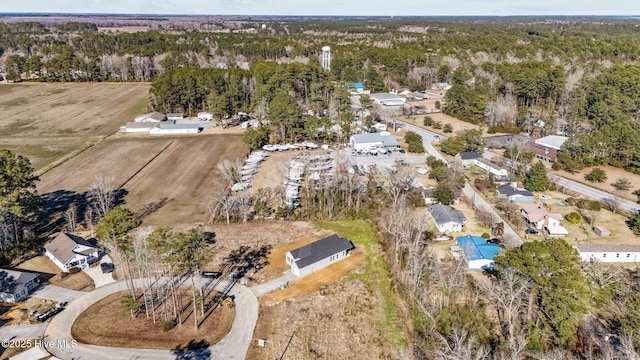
446,218
16,285
68,250
467,158
315,256
515,195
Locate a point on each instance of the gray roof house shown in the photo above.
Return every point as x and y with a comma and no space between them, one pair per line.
515,195
467,158
16,285
446,218
312,257
68,250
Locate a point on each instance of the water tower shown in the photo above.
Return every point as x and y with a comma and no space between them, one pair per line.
326,57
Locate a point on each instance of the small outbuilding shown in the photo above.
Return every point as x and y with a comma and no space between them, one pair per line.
478,253
315,256
16,285
175,116
601,231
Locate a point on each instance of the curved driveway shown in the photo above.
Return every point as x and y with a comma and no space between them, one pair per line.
233,346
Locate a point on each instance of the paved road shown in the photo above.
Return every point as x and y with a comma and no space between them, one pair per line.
233,346
57,293
510,238
593,193
22,331
35,353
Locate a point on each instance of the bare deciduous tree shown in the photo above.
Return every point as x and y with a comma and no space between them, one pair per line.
229,170
102,193
503,110
461,346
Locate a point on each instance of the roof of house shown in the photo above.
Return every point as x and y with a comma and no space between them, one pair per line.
470,155
386,140
607,248
61,247
552,141
157,116
443,214
358,85
490,163
9,279
477,248
557,230
319,250
509,191
537,213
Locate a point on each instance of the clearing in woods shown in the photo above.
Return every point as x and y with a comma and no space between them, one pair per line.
51,122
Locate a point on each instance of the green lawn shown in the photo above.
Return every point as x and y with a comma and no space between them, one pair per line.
376,274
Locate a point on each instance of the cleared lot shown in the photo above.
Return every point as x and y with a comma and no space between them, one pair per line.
172,175
47,122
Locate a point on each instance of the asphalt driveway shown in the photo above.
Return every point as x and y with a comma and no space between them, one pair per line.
34,331
57,293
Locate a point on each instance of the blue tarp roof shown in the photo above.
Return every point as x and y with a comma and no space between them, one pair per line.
358,85
477,248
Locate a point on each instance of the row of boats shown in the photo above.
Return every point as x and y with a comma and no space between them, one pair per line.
249,169
293,182
286,147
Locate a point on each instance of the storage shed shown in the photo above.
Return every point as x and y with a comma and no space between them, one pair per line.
601,231
318,254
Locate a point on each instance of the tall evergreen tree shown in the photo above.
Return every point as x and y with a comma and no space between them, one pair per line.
536,179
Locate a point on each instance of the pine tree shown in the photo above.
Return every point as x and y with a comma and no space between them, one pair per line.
536,179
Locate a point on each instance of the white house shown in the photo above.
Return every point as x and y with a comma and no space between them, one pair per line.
318,254
364,142
478,253
380,126
542,219
467,158
205,116
387,99
16,285
492,168
515,195
151,117
446,218
173,129
609,252
68,250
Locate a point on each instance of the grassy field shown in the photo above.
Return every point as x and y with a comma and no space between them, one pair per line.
49,123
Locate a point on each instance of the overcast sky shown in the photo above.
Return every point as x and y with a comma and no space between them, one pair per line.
330,7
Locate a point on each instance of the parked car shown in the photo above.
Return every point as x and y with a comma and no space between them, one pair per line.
544,197
107,267
493,241
422,171
531,231
211,274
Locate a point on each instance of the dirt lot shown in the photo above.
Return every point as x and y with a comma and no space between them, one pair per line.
172,175
106,323
48,122
18,314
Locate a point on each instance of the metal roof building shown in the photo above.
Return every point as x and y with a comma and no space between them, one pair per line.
478,252
360,142
387,99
